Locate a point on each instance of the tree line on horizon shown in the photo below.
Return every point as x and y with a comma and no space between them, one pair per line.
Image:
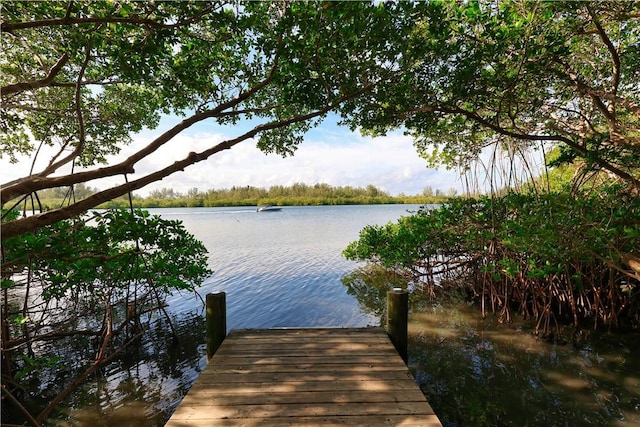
298,194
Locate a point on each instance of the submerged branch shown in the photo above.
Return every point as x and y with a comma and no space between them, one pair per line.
81,378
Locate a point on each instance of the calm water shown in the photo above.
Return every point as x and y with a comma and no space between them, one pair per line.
282,269
285,269
278,269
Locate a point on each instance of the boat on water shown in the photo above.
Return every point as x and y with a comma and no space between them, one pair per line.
268,208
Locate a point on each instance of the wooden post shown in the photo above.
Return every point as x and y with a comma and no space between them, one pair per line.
398,319
216,322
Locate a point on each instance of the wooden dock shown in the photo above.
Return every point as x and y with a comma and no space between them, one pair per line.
305,377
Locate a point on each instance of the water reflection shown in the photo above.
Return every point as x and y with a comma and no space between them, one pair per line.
286,270
279,270
146,384
478,372
369,285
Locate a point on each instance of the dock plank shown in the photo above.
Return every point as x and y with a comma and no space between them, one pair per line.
305,377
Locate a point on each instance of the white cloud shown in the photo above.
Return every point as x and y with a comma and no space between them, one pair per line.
329,155
389,163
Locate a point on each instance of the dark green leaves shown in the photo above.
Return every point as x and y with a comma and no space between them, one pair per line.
523,251
109,251
474,73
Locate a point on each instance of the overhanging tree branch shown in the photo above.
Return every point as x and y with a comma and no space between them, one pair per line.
615,57
53,166
40,181
36,84
585,89
43,219
10,27
583,151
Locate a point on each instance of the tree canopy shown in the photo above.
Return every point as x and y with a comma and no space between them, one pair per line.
81,77
519,74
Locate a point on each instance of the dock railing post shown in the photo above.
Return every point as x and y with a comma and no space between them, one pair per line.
398,319
216,322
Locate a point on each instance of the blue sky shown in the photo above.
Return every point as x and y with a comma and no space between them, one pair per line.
330,154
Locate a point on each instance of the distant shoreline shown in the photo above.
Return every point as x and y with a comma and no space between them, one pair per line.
49,204
181,204
295,195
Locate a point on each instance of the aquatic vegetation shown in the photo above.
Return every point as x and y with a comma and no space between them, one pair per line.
86,288
553,257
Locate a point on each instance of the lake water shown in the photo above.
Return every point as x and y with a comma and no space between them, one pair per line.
278,269
285,269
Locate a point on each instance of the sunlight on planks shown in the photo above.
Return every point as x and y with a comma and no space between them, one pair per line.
305,377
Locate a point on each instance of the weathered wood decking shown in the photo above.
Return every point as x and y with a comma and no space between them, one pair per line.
305,377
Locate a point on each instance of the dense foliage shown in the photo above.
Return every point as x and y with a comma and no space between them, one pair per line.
79,78
554,258
488,80
85,288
